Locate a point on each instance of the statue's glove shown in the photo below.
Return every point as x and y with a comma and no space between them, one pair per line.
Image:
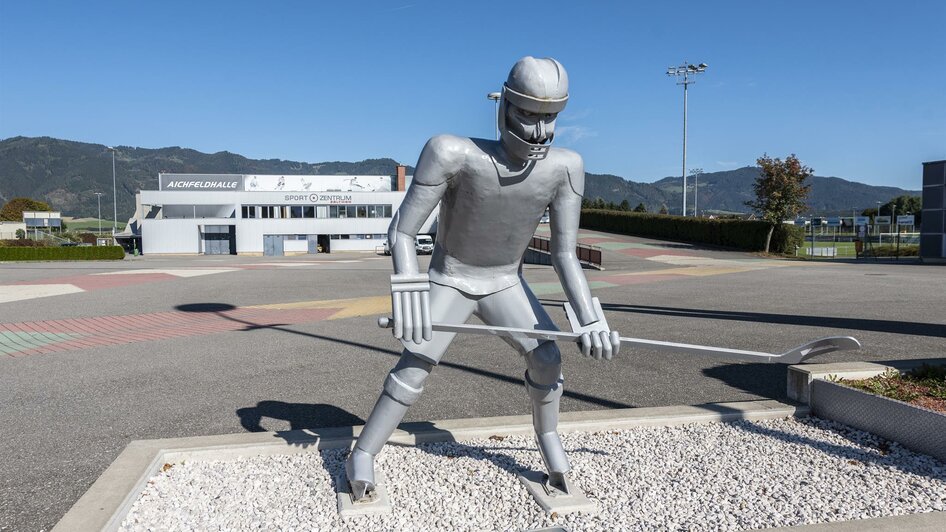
597,338
410,303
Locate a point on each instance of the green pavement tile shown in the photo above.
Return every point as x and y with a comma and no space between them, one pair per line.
614,246
22,340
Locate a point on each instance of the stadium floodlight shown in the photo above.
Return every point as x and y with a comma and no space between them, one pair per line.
496,96
685,70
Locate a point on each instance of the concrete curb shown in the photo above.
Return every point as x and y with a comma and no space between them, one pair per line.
108,500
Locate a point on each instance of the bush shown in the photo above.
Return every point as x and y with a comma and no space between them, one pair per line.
741,234
24,243
890,250
62,253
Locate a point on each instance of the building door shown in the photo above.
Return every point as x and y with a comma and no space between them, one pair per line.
325,242
219,239
273,245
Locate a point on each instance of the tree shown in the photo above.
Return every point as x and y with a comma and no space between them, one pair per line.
640,208
663,209
624,206
904,205
20,234
12,211
780,191
871,212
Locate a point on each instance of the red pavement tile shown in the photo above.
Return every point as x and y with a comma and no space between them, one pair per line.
124,329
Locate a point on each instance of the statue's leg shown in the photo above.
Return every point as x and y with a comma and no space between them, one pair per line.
517,306
403,386
544,384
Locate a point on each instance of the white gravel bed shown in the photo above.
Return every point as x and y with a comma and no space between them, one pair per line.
719,476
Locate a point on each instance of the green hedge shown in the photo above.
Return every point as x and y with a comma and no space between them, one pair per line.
63,253
740,234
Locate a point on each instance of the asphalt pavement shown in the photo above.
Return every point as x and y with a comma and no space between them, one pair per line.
166,347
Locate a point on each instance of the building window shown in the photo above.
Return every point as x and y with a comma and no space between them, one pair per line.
362,211
249,211
308,211
387,211
321,211
267,211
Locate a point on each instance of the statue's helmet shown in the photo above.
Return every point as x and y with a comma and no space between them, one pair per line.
533,95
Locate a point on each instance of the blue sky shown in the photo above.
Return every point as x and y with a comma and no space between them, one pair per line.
856,89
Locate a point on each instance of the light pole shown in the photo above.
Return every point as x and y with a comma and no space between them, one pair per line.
696,188
114,196
98,197
686,70
496,96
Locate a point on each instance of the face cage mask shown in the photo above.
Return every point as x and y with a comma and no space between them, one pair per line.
517,146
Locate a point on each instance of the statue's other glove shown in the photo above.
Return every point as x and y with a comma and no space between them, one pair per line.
410,303
597,339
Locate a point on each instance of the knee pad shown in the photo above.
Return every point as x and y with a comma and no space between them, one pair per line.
545,393
546,354
399,391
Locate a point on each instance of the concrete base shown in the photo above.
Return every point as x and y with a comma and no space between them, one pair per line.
574,502
800,376
379,503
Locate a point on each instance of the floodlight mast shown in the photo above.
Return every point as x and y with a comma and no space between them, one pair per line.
496,96
686,70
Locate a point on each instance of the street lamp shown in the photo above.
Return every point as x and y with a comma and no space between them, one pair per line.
98,197
496,96
114,195
696,188
686,70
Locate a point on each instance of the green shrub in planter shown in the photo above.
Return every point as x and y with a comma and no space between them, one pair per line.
741,234
62,253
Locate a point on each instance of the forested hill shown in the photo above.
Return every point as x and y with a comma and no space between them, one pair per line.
66,173
729,190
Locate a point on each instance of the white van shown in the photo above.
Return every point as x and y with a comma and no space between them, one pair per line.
424,245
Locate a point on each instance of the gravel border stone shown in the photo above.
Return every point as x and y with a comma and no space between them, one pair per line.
724,476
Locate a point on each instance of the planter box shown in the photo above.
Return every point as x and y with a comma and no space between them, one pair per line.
916,428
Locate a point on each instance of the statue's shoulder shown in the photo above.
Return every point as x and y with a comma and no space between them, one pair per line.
570,159
450,147
573,167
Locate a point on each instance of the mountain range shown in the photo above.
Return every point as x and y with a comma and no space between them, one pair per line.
66,174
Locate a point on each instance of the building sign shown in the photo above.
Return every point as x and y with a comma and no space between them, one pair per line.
834,221
317,183
861,220
905,219
332,199
882,220
221,182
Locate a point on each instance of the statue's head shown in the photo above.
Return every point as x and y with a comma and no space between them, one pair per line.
533,95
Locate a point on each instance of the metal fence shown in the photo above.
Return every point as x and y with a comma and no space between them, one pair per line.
590,255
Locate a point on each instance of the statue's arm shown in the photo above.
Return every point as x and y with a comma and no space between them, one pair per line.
436,166
597,338
564,214
439,162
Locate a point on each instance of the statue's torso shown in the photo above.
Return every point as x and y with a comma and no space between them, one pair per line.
487,218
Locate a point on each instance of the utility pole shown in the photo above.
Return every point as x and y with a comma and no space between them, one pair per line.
114,195
686,70
98,196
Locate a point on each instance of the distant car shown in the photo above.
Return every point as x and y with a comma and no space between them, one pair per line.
386,247
424,245
545,218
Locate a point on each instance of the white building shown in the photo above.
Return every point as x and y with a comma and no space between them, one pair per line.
269,214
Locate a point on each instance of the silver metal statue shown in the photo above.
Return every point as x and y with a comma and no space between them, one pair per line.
492,196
